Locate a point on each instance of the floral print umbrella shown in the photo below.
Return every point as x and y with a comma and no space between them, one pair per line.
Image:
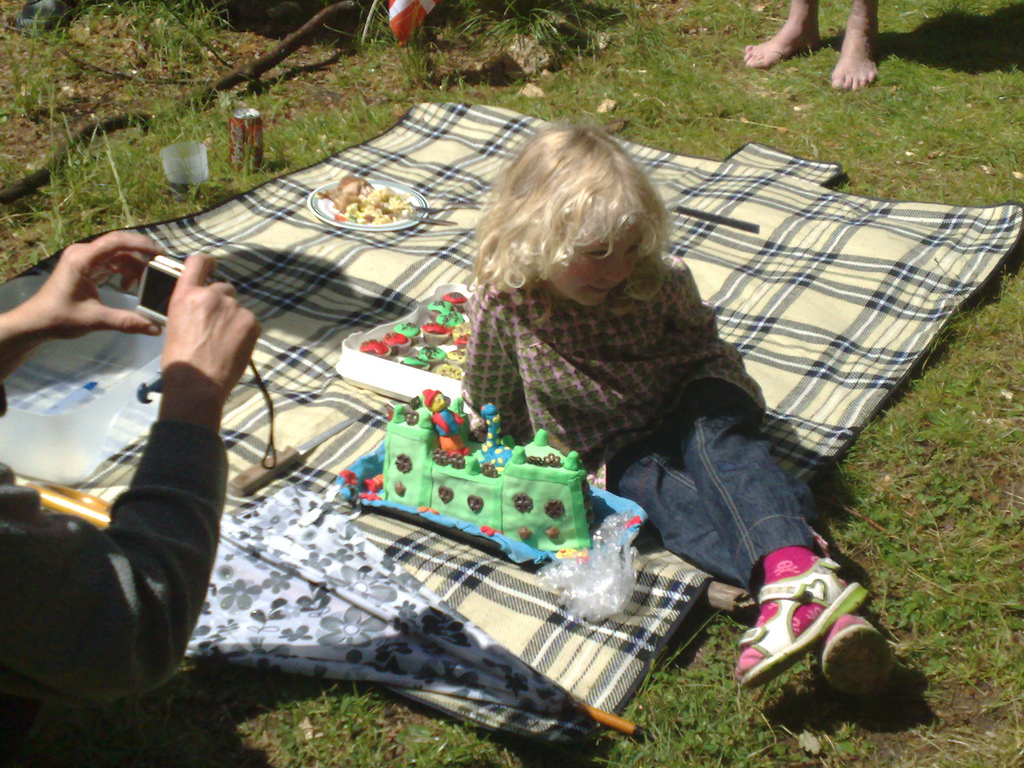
298,587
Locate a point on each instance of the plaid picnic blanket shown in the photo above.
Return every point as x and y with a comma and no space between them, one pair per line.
831,302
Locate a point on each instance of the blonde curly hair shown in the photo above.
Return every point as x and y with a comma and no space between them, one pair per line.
569,187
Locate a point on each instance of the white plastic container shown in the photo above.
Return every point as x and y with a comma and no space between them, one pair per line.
73,402
387,376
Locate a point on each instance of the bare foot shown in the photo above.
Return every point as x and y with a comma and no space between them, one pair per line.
854,71
856,67
793,38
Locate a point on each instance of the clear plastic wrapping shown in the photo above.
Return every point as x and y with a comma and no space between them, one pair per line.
598,584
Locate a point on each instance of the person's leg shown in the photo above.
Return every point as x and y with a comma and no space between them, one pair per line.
855,658
711,488
856,67
757,507
802,593
728,507
668,496
799,33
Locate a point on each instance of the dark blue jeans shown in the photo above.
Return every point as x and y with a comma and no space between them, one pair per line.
711,488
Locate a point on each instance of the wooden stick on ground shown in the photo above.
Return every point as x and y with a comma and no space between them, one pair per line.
250,72
725,597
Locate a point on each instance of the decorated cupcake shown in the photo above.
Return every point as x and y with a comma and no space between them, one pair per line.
449,371
432,355
415,361
375,347
410,330
457,357
435,334
450,318
398,342
436,308
461,334
455,298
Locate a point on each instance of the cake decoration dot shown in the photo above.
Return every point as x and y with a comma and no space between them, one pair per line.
554,509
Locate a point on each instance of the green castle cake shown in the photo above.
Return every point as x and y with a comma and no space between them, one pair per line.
532,493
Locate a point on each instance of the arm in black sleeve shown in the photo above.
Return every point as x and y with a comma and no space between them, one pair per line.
97,614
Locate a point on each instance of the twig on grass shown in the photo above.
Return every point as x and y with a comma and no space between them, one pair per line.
832,500
316,66
745,121
87,66
84,134
369,18
250,73
211,50
727,598
117,180
866,519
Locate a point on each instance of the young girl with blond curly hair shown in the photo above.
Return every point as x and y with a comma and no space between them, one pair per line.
583,327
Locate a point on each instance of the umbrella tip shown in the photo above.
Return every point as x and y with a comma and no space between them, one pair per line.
616,723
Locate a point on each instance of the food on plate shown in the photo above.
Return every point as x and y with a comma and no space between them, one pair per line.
347,191
357,202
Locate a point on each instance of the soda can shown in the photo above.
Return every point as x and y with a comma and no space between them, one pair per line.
245,133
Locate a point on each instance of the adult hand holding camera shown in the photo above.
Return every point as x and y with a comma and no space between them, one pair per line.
68,304
209,342
115,617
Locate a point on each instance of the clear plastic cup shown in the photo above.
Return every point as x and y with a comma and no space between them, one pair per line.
185,165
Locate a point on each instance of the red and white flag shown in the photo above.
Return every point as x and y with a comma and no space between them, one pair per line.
406,15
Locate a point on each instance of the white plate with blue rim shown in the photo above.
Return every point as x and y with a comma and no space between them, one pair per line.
325,209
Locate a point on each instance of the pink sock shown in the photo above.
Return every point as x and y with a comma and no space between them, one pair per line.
781,564
788,561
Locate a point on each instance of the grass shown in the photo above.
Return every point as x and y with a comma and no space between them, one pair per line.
929,503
